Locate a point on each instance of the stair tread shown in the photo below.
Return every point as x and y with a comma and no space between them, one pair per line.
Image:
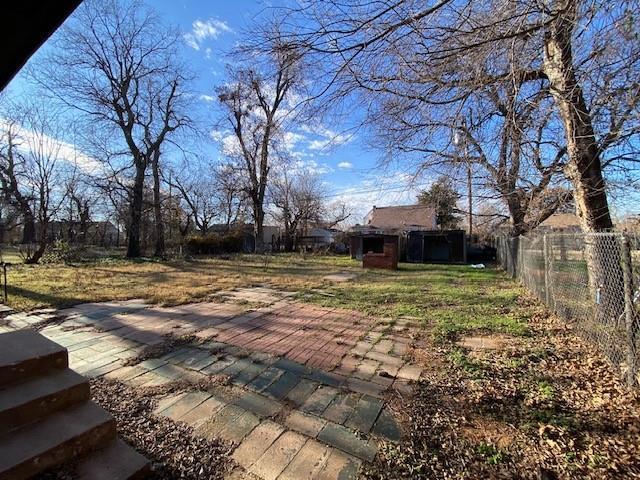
37,397
117,461
39,387
21,345
45,435
25,354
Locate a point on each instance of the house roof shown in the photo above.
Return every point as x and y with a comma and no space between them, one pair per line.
402,216
561,220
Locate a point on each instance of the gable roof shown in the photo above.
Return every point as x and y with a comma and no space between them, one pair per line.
402,216
561,220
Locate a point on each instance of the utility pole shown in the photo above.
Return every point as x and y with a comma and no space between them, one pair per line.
465,147
170,209
470,189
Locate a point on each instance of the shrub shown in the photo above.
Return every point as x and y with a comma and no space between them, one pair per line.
62,252
214,244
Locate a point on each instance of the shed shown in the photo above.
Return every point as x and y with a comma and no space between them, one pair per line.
376,250
434,246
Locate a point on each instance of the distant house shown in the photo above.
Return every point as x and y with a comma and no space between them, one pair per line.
630,223
403,217
323,236
103,233
270,234
317,238
420,240
561,222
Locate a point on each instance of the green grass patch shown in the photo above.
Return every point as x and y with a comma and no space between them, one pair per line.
491,453
545,389
450,299
453,299
551,416
462,361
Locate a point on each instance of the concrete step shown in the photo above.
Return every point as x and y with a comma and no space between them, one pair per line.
26,353
59,438
38,397
117,461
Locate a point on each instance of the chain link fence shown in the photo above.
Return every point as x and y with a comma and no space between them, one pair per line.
591,280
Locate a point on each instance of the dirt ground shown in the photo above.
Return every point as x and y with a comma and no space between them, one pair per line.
542,406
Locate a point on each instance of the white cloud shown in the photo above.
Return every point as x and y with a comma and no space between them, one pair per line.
218,135
311,166
207,98
291,139
55,147
202,30
390,188
328,138
345,165
318,144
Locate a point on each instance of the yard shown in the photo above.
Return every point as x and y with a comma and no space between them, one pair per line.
506,389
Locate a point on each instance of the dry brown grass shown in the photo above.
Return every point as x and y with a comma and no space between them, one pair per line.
168,283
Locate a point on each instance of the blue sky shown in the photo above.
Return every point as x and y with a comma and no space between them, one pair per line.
349,168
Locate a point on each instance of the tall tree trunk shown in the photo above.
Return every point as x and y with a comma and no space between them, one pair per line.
29,227
135,213
584,167
288,237
258,227
517,214
157,207
42,244
84,217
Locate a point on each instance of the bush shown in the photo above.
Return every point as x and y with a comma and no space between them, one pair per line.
62,252
214,244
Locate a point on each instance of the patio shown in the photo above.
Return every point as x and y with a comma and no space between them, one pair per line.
301,391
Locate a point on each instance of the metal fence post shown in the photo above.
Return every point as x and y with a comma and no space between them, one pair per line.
517,270
630,314
545,261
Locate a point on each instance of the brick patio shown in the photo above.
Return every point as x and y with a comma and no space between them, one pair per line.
306,397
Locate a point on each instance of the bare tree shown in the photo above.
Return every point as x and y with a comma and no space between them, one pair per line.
115,62
81,201
298,201
335,213
211,192
12,178
513,145
433,55
31,172
255,107
230,195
